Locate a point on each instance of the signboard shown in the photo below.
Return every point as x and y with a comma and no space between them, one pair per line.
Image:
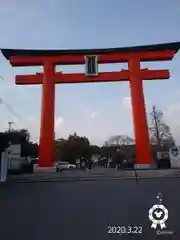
91,65
175,157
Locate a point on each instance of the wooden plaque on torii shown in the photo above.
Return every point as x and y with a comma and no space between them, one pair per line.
134,74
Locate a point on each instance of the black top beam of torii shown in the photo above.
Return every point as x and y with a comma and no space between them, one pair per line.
175,46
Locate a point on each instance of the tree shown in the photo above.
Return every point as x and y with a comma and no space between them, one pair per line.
21,137
96,150
73,148
32,149
4,142
160,134
119,140
18,136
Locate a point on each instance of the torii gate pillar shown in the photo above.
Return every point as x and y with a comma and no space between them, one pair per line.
139,115
46,144
135,75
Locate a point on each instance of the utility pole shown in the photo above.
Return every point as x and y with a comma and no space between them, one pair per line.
155,118
10,126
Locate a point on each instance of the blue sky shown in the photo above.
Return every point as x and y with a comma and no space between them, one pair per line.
96,110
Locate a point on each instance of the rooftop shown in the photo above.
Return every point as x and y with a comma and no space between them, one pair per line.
175,46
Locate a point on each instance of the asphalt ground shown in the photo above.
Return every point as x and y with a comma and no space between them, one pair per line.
85,209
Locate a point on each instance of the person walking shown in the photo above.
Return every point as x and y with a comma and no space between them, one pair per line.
89,164
119,159
105,162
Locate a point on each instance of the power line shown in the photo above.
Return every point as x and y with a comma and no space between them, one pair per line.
2,78
13,112
10,109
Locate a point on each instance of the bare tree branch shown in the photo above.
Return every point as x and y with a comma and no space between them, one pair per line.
159,131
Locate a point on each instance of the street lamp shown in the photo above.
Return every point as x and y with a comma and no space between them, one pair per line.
10,125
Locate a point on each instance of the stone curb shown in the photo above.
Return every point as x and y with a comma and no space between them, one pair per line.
81,179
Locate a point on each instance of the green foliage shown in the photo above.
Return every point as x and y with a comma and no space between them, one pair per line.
18,136
21,137
75,147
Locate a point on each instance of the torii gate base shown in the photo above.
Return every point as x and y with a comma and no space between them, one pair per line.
133,55
143,166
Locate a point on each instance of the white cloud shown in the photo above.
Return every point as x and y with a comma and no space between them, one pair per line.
88,112
93,115
59,122
126,102
98,130
172,116
59,127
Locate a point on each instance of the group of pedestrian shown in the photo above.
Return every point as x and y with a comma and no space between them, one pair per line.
119,159
87,164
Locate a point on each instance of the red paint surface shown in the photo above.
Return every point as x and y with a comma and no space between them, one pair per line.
143,149
103,58
135,75
46,146
123,75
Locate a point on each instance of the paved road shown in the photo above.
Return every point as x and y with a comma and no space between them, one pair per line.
83,210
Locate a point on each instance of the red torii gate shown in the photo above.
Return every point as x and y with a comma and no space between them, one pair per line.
50,58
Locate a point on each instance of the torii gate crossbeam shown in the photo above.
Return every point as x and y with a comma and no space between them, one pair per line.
132,55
